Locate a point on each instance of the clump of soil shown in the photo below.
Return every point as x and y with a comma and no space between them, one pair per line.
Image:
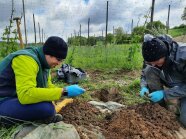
130,125
139,122
80,113
158,116
105,95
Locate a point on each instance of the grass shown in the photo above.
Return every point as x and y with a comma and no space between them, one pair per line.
131,91
104,58
177,32
109,60
6,133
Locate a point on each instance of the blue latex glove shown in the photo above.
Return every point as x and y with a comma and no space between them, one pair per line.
143,91
156,95
74,90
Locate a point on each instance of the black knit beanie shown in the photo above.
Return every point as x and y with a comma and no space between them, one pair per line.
55,46
154,49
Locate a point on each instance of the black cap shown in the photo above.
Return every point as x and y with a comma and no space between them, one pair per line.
55,46
154,49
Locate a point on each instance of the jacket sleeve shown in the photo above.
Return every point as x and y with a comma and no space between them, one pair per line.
25,69
50,84
178,91
143,82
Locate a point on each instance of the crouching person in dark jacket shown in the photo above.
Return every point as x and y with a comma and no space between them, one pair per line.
163,77
26,90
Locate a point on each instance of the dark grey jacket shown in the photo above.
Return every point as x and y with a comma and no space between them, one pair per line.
173,73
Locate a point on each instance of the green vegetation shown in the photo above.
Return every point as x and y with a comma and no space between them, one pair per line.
126,56
6,133
123,51
120,36
177,31
9,41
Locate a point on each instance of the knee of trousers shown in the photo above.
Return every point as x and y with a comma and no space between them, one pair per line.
47,109
183,119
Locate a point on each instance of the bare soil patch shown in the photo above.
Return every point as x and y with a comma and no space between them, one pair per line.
180,39
106,95
143,121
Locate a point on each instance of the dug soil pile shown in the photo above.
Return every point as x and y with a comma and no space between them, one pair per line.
144,121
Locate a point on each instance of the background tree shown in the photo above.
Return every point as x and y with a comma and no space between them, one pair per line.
110,38
137,34
75,41
156,27
183,17
119,33
92,41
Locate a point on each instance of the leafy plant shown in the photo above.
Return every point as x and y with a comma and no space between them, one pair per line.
71,57
132,51
9,43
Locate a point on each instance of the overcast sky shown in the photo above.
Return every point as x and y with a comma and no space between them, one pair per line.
63,17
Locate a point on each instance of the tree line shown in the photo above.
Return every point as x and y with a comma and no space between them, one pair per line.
121,37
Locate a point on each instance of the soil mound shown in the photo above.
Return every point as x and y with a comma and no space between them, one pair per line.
145,121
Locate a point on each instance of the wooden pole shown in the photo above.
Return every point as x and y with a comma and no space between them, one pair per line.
106,25
152,12
80,34
18,22
88,29
75,33
42,35
9,27
132,25
24,22
34,28
168,19
113,30
39,32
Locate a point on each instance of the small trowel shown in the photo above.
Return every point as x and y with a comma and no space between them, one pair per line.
146,96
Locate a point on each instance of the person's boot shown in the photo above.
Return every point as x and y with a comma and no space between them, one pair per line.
54,119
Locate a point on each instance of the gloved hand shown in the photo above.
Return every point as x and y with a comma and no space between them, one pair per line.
74,90
143,91
156,95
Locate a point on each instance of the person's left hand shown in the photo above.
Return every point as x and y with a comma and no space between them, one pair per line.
156,95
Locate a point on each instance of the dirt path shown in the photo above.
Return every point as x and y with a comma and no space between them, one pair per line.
180,39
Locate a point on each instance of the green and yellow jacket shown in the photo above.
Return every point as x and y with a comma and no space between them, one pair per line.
25,74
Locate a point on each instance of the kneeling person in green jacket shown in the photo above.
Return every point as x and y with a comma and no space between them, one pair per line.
26,90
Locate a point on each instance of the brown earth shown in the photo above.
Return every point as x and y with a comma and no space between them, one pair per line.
144,121
180,39
105,95
99,76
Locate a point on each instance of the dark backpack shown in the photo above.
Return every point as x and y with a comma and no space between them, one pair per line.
70,74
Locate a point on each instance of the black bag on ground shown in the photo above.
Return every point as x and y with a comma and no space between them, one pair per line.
70,74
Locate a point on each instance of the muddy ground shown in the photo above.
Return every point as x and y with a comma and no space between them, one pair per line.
140,121
143,121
